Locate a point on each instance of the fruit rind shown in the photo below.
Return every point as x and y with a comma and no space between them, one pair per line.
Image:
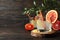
49,13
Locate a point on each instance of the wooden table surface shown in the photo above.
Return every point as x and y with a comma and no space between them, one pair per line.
19,33
22,34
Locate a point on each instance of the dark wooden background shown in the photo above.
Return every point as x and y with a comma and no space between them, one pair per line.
12,21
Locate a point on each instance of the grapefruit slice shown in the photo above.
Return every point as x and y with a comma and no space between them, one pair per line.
29,26
51,16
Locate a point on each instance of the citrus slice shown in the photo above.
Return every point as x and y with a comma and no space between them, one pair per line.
29,26
51,16
35,33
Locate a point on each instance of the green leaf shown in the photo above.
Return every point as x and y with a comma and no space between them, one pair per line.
25,8
34,3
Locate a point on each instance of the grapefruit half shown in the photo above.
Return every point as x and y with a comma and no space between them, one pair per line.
51,16
56,25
